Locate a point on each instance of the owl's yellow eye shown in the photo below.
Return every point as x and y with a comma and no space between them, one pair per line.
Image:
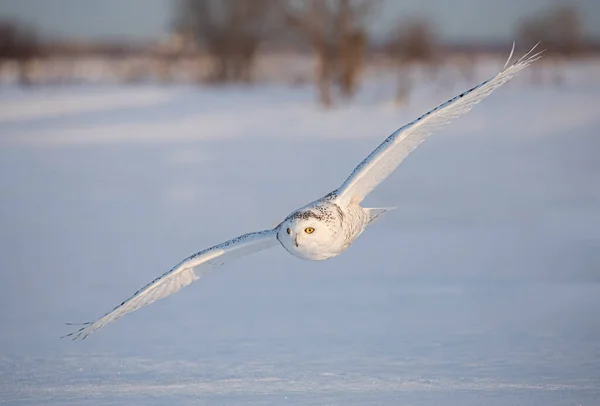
309,230
289,231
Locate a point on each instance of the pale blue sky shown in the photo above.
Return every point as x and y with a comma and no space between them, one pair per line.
151,19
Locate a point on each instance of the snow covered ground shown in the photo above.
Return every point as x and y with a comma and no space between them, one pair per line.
483,288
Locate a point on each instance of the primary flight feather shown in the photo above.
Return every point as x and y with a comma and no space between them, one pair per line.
326,227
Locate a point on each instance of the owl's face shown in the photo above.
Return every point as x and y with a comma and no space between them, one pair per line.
309,235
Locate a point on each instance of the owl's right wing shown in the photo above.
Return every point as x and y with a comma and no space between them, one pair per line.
182,274
391,152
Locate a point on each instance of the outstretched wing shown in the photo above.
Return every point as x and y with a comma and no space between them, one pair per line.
387,156
181,275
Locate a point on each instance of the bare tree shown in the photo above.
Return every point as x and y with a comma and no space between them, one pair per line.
561,32
352,51
230,31
414,42
336,32
18,44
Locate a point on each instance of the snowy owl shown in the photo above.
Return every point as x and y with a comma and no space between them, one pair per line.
328,226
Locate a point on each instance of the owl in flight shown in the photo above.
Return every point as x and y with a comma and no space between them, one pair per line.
326,227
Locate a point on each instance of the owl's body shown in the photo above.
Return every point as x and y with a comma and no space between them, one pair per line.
333,228
326,227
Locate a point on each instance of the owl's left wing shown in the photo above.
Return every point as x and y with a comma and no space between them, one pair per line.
182,274
391,152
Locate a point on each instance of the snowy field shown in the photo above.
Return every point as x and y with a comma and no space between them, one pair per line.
483,288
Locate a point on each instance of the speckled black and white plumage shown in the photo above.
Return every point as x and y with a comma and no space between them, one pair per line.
328,226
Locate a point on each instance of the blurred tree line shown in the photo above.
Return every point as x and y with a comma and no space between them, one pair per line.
232,33
19,45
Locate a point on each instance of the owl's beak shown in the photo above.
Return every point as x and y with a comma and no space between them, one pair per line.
296,241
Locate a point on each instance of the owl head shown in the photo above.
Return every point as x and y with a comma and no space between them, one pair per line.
311,234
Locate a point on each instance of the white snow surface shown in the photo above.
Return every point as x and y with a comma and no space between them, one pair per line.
483,288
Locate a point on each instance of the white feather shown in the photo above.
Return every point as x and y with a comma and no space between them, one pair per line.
391,152
181,275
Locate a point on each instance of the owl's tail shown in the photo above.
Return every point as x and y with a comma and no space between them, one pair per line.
377,212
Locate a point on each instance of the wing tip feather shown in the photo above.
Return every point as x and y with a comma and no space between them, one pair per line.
524,60
512,51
